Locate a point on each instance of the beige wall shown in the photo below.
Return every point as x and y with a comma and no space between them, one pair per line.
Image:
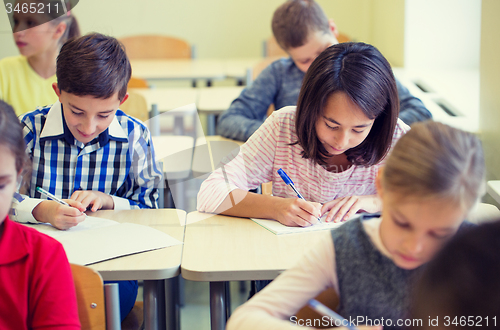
229,28
490,86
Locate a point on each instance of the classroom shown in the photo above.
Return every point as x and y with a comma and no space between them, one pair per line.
197,228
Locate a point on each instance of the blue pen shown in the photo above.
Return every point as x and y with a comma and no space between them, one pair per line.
289,182
324,310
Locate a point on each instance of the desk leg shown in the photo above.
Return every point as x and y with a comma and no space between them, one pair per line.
172,303
154,304
211,124
217,306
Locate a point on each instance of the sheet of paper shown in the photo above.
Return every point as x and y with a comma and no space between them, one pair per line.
280,229
99,244
88,223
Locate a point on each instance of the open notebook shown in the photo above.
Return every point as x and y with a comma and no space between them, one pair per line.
279,229
97,239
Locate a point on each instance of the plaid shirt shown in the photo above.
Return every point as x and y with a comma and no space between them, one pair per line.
119,162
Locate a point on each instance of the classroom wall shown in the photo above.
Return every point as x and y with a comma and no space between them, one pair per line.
229,28
442,34
490,86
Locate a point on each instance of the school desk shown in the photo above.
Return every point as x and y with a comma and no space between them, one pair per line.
178,69
493,189
176,154
241,68
176,102
451,95
158,268
221,248
213,101
209,151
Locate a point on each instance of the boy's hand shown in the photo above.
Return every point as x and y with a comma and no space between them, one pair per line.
58,215
97,199
296,212
343,209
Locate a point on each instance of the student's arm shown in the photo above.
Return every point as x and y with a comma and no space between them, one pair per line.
274,306
52,302
247,113
411,108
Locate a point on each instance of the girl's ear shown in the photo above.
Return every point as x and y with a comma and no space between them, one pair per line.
333,28
378,182
60,29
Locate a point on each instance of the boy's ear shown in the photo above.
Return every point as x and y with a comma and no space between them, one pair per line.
333,28
56,90
378,182
124,99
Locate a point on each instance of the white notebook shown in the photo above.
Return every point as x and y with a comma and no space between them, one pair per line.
280,229
97,239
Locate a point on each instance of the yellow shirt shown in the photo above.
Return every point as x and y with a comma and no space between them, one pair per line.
22,87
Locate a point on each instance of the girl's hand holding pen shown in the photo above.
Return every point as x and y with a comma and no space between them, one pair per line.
59,215
343,209
296,212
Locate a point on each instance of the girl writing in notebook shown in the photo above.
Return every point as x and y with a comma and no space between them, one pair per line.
331,145
37,290
26,80
430,182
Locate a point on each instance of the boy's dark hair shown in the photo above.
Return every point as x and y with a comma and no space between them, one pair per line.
462,281
362,72
11,134
94,65
295,20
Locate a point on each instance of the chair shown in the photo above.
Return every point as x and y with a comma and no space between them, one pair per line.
137,83
98,304
136,106
147,47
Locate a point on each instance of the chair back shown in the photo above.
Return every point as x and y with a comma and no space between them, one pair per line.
90,297
137,83
146,47
136,106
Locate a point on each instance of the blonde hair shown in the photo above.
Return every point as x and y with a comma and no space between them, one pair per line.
434,160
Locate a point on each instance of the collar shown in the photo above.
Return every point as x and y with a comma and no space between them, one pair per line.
13,244
55,128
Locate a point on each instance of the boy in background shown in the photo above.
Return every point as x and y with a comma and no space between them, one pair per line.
86,151
303,30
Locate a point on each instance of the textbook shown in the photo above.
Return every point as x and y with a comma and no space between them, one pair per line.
98,239
280,229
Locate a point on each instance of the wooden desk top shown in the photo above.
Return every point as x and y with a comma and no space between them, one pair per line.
209,151
222,248
178,69
215,100
168,99
237,67
151,265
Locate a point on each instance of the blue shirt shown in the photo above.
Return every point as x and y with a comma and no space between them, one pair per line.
279,84
119,162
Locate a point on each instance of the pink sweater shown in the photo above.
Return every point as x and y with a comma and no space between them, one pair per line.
268,150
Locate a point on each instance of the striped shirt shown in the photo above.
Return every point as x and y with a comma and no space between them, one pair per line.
268,150
118,162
